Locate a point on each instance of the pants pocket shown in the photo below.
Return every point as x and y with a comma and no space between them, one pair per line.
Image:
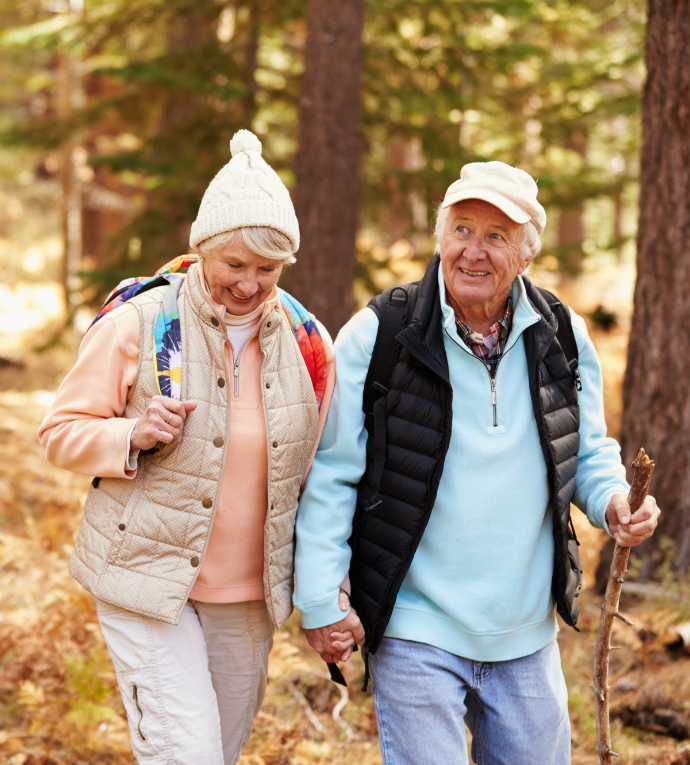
259,624
142,704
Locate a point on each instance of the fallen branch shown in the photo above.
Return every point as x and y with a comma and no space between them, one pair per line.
311,716
344,698
667,722
643,468
308,711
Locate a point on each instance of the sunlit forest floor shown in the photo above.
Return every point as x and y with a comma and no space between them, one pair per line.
58,696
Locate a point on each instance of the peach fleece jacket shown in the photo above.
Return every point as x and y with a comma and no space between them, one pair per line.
84,431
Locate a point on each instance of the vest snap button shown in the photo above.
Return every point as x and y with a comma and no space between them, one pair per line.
218,442
272,508
221,382
268,385
268,325
207,503
121,527
215,322
275,444
195,562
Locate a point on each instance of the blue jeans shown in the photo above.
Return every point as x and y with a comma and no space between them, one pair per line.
517,710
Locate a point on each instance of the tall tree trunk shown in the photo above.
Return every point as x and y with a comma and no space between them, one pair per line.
571,223
656,402
71,97
327,160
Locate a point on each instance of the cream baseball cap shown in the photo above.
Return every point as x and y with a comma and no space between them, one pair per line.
510,189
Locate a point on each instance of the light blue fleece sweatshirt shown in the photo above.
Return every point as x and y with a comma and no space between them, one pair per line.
480,582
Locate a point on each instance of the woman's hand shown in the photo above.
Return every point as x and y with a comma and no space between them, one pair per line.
334,642
162,421
343,642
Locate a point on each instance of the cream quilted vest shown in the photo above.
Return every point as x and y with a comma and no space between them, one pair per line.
142,542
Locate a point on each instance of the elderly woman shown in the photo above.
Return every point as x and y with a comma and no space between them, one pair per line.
197,401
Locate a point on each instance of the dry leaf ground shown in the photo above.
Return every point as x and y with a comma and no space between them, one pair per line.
58,698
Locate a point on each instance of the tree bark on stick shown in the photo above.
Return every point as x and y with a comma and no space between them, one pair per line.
657,381
328,159
643,468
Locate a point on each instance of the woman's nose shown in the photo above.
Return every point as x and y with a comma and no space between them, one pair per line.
247,286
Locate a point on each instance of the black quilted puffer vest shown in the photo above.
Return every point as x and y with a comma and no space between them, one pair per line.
408,418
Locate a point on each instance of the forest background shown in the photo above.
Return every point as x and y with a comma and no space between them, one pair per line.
116,115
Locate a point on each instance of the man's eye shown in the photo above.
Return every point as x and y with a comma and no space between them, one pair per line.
234,265
461,229
496,236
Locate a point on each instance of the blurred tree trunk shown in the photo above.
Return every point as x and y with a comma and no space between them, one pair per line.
571,222
70,96
328,159
618,224
656,400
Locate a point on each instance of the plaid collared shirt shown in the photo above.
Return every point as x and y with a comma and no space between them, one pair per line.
488,348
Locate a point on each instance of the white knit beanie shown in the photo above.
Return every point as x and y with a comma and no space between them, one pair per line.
246,192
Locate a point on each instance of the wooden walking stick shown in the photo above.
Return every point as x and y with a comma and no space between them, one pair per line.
643,468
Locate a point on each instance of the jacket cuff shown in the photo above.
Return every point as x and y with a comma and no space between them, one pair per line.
322,614
132,454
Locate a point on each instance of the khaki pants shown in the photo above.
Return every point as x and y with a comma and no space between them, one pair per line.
192,690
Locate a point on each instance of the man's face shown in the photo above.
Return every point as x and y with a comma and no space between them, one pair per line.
481,254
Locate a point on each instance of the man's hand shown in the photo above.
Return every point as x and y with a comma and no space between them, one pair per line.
631,531
162,421
334,642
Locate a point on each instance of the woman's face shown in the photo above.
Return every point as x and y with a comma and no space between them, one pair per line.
240,279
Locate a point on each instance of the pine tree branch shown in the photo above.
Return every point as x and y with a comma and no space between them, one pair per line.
643,468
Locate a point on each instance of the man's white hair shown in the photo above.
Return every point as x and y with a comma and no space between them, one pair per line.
262,240
531,243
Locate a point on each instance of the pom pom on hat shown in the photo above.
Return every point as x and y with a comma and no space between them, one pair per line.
246,192
244,141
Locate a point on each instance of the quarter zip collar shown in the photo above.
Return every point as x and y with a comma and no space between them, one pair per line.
524,315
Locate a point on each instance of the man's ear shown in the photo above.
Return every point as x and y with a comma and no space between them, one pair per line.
526,263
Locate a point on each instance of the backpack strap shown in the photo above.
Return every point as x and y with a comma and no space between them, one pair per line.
565,334
394,315
391,317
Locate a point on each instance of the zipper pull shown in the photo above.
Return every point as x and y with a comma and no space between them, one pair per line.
236,374
493,400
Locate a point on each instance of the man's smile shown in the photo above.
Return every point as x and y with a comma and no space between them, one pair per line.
474,273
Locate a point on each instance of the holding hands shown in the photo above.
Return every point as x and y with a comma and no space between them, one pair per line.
334,642
630,531
162,421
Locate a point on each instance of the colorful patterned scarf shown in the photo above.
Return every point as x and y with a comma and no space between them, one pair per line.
167,339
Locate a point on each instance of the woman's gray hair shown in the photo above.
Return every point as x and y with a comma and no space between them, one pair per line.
531,243
262,240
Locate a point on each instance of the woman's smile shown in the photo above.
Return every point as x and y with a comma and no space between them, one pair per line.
239,297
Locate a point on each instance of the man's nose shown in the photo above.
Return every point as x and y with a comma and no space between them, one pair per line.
474,249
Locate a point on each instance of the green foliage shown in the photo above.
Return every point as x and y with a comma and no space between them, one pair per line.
90,681
475,81
552,86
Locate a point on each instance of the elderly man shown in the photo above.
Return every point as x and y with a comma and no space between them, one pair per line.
467,414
